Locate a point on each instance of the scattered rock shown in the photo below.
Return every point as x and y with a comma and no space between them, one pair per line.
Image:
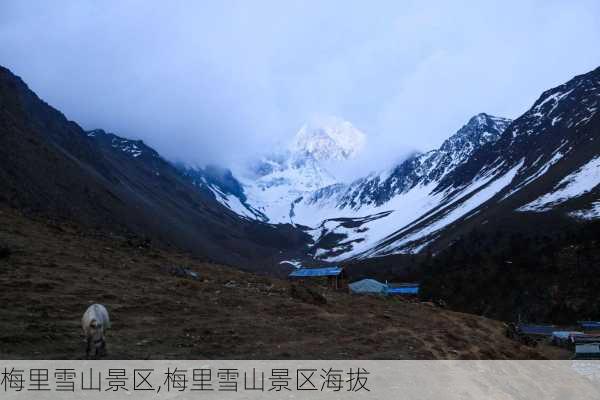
182,272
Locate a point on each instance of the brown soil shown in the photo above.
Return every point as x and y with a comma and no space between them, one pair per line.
53,271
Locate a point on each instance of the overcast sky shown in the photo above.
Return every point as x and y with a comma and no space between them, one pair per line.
217,81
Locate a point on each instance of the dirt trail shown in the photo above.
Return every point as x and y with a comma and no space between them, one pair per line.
54,271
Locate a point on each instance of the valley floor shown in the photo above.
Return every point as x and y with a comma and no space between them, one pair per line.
55,270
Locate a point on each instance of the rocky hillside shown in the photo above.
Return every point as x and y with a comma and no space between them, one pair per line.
50,166
542,167
51,271
544,162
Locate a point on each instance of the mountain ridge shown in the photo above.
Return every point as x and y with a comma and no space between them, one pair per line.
543,164
51,166
486,164
489,162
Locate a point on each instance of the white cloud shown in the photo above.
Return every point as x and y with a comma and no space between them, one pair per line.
217,82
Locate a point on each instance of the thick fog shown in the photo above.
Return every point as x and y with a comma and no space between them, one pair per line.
221,81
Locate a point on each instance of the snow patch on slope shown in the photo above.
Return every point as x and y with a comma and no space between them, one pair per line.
294,263
557,156
579,182
232,202
405,211
460,207
591,213
275,193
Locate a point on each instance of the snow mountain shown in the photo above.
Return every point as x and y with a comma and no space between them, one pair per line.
541,167
429,167
276,182
52,168
329,138
544,162
538,173
370,209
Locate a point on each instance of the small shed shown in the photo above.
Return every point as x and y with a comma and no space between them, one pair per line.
336,277
537,330
368,286
403,289
587,351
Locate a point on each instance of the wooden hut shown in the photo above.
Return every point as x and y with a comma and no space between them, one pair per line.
336,277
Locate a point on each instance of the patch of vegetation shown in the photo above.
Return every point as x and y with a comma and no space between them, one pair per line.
515,276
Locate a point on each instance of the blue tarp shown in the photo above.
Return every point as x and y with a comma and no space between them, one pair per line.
404,290
306,272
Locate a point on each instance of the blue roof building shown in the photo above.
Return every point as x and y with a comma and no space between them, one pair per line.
326,271
403,289
333,274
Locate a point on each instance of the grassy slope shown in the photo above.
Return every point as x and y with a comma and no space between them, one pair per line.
55,270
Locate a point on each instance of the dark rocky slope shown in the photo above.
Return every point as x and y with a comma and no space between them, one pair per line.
50,165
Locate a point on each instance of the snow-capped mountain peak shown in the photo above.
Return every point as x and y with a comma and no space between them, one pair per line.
276,182
329,138
481,129
544,161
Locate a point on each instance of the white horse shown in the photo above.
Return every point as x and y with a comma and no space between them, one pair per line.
95,322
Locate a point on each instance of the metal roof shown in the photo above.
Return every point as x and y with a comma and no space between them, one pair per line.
414,289
327,271
545,330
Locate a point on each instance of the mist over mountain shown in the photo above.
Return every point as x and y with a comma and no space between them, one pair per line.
214,84
487,164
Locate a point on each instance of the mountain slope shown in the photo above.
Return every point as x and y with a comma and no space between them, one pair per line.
369,210
49,165
549,151
545,162
226,314
224,187
540,168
